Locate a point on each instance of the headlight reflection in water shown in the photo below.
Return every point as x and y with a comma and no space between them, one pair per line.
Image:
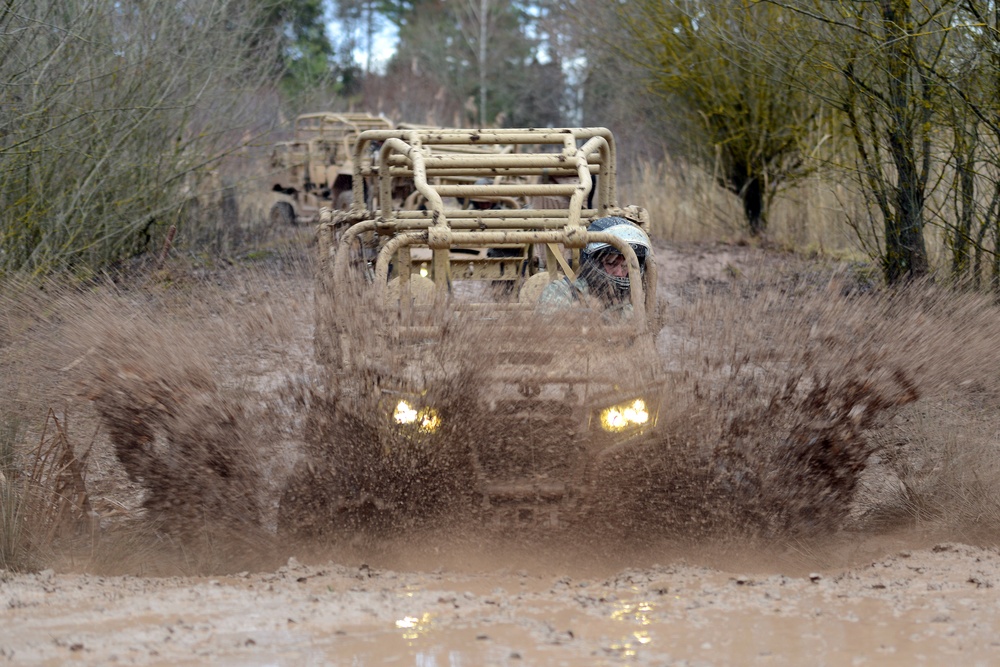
635,612
413,626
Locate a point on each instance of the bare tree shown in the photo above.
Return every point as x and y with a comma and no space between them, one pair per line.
478,53
108,110
359,16
731,89
888,98
888,60
971,79
483,18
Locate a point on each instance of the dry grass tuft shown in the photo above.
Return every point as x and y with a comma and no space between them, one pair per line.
44,494
59,475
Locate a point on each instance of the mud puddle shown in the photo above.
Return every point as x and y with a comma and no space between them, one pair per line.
909,608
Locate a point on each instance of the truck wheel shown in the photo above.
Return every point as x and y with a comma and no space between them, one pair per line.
282,214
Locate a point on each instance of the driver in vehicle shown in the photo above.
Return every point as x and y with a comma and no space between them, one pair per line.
602,282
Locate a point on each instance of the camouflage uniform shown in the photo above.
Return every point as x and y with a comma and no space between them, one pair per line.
560,294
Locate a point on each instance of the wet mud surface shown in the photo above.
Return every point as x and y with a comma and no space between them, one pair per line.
923,606
820,490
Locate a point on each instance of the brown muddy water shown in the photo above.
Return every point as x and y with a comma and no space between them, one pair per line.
822,490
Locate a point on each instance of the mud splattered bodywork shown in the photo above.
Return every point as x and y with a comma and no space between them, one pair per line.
314,168
436,341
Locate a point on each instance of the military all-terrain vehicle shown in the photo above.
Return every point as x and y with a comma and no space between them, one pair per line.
315,168
448,388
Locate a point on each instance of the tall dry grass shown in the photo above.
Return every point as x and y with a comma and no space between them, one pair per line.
43,492
825,215
686,205
43,461
15,552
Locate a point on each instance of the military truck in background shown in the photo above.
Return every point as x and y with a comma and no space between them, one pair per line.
315,168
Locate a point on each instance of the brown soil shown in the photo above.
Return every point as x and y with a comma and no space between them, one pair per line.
823,489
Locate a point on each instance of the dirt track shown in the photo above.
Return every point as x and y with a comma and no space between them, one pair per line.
926,606
895,596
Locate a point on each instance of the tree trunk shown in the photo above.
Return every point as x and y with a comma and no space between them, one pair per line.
905,252
752,196
964,165
484,8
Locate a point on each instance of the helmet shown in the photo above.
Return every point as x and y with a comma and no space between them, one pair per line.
627,231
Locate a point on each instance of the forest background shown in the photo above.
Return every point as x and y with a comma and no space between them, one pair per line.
868,130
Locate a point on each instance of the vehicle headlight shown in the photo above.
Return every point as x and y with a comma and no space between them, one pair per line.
425,419
624,416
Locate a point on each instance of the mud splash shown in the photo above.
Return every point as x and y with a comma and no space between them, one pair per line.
795,406
183,382
175,431
779,396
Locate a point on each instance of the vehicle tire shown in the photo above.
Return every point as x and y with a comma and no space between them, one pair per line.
282,214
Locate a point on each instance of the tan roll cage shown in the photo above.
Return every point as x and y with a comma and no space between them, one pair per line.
574,166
